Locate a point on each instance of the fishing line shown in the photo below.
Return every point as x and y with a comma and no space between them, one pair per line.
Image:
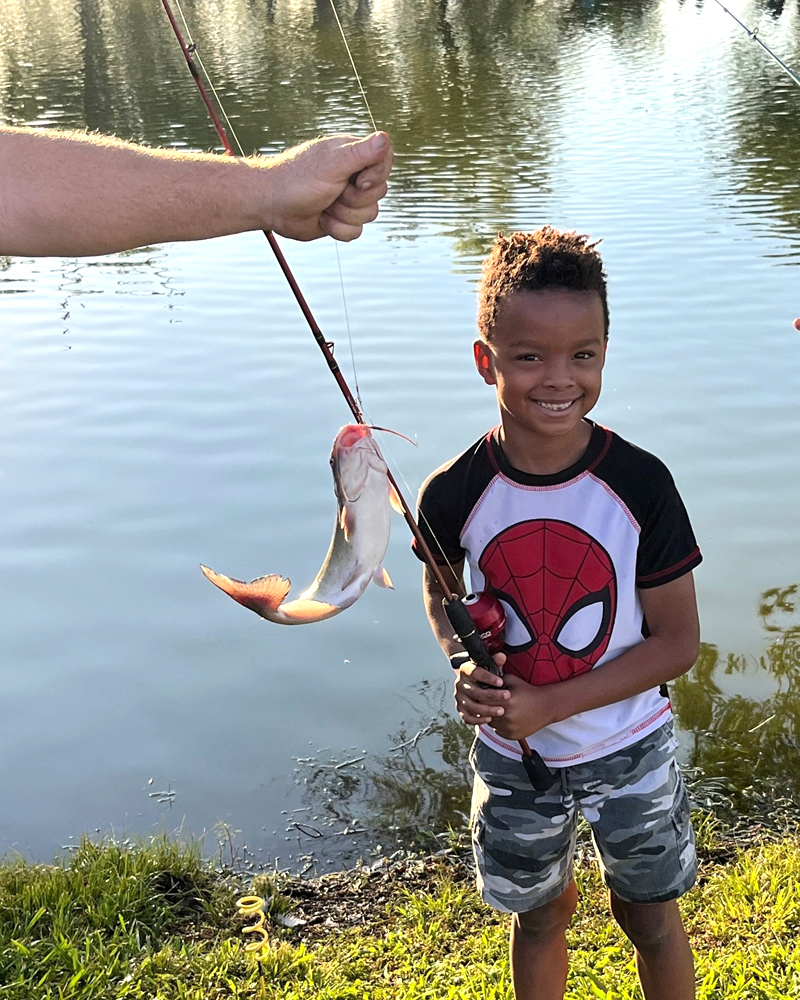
353,64
190,54
336,245
347,324
193,49
754,35
420,512
457,612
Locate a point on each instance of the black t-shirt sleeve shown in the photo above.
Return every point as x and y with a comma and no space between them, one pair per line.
667,546
438,516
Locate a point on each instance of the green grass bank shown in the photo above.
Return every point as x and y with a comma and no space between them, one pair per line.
154,920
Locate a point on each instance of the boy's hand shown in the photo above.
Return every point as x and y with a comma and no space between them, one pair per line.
526,711
478,706
511,706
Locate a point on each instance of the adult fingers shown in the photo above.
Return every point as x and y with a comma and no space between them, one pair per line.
354,196
371,159
341,231
352,216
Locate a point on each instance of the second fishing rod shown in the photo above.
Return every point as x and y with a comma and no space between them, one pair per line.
457,611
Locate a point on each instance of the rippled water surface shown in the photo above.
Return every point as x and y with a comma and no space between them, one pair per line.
168,407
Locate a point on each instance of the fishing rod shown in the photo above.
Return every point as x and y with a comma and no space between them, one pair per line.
457,612
754,35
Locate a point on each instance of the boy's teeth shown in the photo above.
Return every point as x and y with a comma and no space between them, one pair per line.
557,406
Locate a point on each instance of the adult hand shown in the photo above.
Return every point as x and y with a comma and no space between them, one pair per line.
329,186
476,705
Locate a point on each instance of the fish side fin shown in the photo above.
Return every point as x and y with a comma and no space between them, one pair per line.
395,501
345,522
382,578
303,612
262,595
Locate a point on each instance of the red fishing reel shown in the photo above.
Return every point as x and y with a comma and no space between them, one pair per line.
489,617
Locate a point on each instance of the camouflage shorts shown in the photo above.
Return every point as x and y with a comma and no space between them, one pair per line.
634,800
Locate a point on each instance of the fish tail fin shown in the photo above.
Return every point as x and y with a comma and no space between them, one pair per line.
263,595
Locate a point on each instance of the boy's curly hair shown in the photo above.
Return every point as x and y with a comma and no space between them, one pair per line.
530,262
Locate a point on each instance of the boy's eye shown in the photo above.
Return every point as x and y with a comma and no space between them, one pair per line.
582,355
528,357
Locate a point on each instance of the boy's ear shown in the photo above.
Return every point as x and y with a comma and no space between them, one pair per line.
483,362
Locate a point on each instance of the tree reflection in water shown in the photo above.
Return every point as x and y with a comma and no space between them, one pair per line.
409,798
748,745
740,753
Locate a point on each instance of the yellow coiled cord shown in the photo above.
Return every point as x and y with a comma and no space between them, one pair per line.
250,906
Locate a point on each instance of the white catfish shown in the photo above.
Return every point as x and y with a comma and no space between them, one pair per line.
359,542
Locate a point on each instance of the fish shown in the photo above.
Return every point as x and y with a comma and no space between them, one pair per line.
365,498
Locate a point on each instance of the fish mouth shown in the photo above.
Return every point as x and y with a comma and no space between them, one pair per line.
351,434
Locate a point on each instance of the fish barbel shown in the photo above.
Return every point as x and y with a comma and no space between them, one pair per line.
360,539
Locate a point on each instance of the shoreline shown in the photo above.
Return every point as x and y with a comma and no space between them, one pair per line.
156,919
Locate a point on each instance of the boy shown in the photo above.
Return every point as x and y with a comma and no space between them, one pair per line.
584,539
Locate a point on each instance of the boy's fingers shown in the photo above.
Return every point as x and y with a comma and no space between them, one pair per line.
479,675
475,714
483,696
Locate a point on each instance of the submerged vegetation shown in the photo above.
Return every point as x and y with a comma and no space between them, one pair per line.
156,921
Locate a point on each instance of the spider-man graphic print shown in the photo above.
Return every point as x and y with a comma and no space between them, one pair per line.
560,592
568,555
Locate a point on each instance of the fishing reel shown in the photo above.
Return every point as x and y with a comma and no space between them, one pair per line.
489,618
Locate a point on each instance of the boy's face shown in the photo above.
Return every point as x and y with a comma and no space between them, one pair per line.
545,358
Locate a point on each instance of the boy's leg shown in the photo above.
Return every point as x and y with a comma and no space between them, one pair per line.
637,805
539,948
523,841
663,956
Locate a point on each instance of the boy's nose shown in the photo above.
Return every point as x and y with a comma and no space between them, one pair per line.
558,376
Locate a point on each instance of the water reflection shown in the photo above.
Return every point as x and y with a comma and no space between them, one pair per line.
740,753
405,799
658,125
748,743
478,90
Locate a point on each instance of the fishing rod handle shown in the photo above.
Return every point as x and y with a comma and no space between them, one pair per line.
459,617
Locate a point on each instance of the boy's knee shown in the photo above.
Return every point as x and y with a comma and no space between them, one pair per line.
551,918
646,925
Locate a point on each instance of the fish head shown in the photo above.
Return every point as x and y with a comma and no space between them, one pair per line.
355,454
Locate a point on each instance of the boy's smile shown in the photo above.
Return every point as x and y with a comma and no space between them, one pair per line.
545,359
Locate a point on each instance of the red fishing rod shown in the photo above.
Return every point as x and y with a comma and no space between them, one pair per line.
458,614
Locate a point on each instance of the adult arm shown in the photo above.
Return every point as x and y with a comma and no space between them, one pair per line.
669,651
72,194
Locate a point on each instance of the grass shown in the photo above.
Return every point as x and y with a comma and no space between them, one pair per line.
153,920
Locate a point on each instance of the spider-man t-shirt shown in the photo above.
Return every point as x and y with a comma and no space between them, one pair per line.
566,554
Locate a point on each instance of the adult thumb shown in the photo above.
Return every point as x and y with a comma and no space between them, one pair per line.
367,151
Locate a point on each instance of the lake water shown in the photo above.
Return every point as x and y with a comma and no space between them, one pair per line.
168,407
